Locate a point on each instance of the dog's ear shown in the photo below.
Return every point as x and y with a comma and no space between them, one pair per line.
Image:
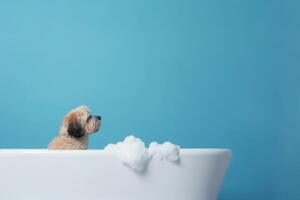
75,129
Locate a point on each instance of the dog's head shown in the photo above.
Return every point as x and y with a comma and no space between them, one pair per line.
79,122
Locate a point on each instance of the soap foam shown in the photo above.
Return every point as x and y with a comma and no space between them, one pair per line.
166,151
133,153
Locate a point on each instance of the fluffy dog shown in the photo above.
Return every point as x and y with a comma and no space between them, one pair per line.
77,125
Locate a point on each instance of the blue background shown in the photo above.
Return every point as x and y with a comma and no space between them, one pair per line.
197,73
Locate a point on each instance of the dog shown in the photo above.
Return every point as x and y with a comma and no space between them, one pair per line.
76,127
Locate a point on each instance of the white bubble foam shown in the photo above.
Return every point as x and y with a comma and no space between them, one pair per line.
166,151
133,153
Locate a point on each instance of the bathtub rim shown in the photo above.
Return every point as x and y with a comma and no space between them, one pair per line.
183,151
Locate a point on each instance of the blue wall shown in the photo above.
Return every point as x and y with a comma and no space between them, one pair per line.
198,73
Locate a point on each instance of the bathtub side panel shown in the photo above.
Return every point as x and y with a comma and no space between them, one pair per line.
96,176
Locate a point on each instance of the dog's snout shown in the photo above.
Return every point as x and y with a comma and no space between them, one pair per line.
98,117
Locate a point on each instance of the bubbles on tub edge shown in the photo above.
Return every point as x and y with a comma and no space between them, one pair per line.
133,153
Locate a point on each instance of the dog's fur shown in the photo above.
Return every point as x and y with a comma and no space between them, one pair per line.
77,125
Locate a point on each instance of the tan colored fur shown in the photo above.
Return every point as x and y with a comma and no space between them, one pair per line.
64,141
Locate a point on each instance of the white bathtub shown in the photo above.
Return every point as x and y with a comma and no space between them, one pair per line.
98,175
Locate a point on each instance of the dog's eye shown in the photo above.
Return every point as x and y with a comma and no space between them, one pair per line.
89,117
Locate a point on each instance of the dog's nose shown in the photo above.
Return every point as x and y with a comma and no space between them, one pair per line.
98,117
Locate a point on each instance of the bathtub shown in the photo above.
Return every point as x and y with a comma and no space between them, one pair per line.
99,175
